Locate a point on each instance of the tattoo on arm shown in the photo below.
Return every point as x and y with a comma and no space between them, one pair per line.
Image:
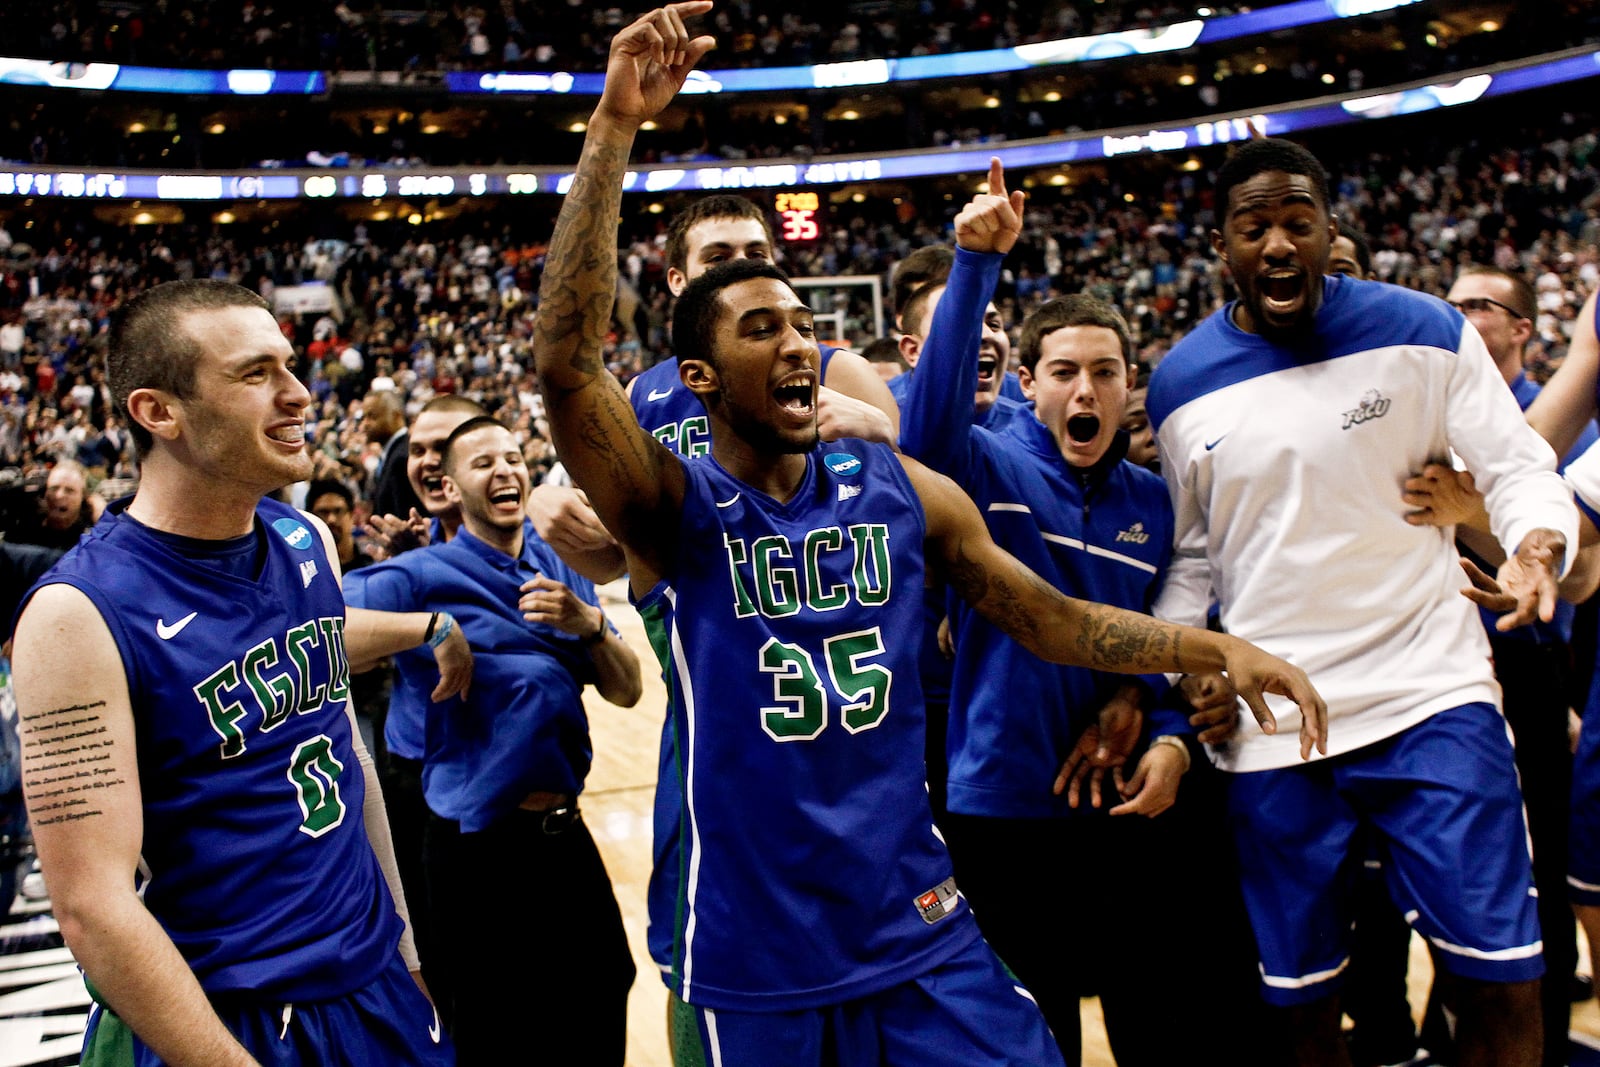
1003,603
579,284
69,754
1113,639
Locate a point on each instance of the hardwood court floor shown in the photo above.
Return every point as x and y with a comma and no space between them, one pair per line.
43,1003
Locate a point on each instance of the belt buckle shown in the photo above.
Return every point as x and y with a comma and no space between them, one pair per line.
559,820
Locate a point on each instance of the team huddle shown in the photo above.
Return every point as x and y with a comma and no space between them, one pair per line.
925,645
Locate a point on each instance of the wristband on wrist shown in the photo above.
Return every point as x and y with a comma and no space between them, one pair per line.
600,634
1174,741
439,628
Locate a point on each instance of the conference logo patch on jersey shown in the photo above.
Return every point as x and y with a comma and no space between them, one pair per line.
1134,535
1374,405
294,532
847,492
937,902
308,571
842,463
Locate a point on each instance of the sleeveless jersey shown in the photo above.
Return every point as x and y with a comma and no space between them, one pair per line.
256,862
673,415
796,859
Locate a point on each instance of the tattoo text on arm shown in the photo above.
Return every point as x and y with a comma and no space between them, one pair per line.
70,753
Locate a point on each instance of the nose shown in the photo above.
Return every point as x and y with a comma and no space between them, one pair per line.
295,395
796,345
1278,244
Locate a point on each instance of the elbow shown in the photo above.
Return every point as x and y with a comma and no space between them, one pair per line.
624,692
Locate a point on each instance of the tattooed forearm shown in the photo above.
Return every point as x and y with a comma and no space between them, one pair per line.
67,757
1116,640
580,276
1008,606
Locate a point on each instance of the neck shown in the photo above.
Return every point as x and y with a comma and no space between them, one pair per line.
179,501
503,539
1510,365
777,475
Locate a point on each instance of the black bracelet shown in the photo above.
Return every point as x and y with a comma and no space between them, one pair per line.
432,622
600,634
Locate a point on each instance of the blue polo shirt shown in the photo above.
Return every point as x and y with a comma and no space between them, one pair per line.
522,727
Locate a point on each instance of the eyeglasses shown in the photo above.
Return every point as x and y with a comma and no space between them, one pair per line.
1483,303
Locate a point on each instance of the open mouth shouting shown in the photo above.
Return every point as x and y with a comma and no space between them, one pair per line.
1282,296
796,396
1083,428
988,366
506,499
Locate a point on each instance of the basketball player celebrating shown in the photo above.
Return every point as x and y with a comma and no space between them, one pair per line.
209,827
802,905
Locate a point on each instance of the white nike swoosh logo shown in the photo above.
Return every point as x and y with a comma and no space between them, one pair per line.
433,1031
659,394
731,501
167,633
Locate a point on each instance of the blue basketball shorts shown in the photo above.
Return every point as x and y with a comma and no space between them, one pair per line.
1583,850
967,1012
1438,806
386,1021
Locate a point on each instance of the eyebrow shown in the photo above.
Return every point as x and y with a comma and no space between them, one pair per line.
729,246
1255,203
754,312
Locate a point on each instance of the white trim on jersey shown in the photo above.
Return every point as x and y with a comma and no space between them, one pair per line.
686,687
1280,982
1073,542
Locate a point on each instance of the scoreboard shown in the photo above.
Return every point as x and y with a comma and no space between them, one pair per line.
800,217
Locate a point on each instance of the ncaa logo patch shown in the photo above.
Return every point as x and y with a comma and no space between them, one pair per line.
294,532
842,463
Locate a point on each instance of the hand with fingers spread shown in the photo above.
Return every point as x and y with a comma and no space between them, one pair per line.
1214,706
1526,587
390,535
1104,746
992,221
1254,672
649,61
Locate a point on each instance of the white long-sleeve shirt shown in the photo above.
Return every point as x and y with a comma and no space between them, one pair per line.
1285,466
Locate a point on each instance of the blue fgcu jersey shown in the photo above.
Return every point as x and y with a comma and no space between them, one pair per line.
796,859
255,860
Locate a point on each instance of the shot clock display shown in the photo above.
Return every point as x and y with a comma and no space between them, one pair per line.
800,217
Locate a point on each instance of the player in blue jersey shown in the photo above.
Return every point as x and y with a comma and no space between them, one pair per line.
504,766
806,906
1285,421
207,819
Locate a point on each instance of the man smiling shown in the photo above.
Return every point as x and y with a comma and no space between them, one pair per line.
1285,422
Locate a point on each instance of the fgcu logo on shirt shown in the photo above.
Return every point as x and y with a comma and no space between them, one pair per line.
1134,534
842,463
294,532
1374,405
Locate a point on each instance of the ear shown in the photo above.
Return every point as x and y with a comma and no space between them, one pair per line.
452,491
1522,332
699,377
1219,246
1025,378
157,411
910,348
677,281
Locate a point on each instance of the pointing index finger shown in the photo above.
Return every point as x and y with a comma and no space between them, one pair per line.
997,178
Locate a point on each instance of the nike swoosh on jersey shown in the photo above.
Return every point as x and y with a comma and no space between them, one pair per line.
1213,444
659,394
167,633
433,1030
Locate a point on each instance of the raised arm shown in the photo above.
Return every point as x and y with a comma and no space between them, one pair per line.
632,481
1080,633
89,845
1568,400
936,423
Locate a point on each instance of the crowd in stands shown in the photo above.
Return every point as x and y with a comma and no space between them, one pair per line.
522,34
448,307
